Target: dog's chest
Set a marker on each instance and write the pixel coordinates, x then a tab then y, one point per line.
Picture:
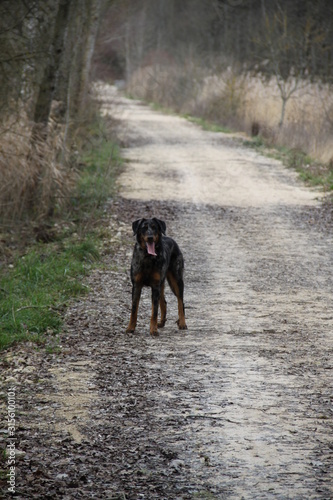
147	269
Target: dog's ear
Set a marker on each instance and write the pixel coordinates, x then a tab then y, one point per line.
161	224
136	225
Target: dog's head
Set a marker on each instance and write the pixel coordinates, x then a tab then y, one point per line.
148	233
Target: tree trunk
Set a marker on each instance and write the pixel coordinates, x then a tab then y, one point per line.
49	82
91	18
283	111
39	30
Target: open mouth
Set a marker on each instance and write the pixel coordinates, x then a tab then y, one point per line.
151	248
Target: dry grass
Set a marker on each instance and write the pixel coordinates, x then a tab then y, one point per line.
308	122
243	102
36	177
168	85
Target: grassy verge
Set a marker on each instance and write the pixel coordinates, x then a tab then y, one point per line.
101	164
202	122
207	125
35	290
38	280
312	172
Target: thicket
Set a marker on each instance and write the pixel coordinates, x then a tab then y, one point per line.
46	48
58	163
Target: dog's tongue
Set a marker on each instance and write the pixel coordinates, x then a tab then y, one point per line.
151	248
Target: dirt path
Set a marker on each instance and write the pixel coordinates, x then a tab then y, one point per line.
240	405
259	291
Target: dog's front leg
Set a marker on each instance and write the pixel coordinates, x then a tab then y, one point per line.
155	297
136	294
163	307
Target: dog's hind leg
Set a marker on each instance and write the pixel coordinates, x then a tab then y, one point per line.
181	309
177	286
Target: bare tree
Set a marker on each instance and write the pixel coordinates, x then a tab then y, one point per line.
286	45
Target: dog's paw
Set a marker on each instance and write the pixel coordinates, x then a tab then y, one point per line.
153	329
181	325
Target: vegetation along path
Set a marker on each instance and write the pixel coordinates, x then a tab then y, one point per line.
239	405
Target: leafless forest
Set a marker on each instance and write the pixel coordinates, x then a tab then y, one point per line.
255	65
261	66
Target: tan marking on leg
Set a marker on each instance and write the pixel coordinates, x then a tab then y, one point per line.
135	308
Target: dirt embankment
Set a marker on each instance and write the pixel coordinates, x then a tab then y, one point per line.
238	406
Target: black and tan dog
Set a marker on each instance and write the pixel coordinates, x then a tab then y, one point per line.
156	257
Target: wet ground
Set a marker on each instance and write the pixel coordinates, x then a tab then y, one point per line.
239	405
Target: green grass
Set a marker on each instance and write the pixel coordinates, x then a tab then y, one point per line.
97	180
36	284
204	124
312	172
159	107
35	291
207	125
256	143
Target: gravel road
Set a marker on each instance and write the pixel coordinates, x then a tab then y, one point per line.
240	405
